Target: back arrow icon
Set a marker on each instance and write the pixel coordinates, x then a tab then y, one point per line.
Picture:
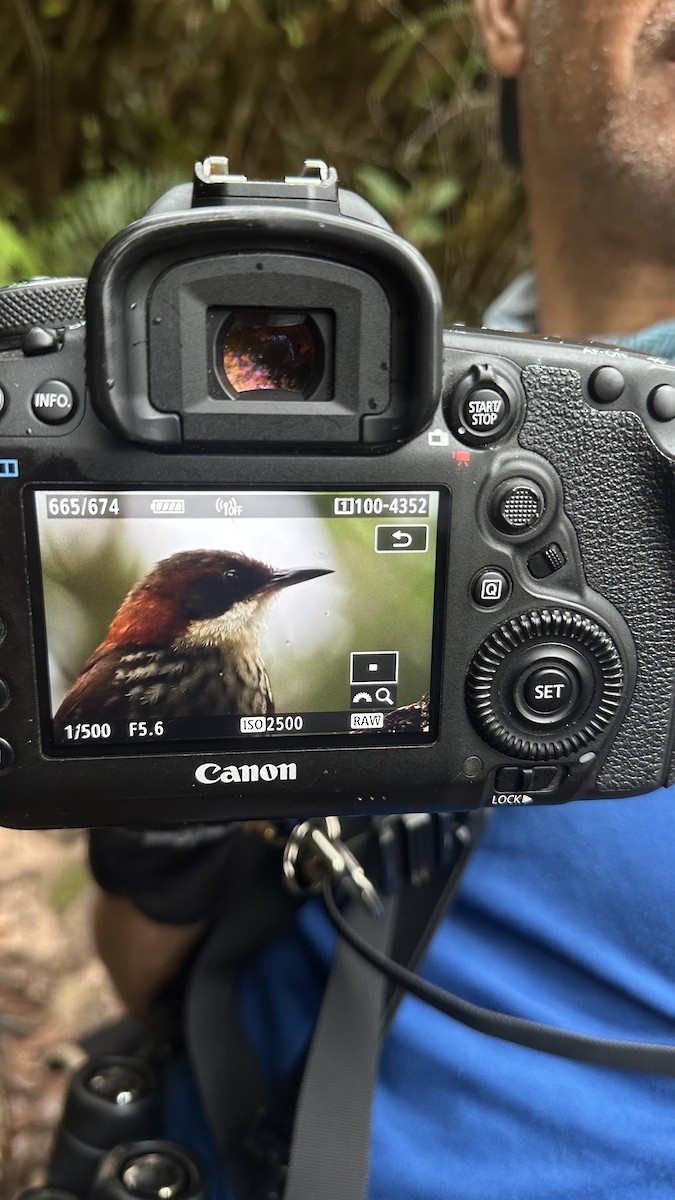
404	539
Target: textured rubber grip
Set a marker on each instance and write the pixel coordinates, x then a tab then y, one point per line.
619	493
51	302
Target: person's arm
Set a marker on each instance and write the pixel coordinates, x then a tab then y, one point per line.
141	955
157	890
160	890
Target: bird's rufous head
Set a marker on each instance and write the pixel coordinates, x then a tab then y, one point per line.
198	589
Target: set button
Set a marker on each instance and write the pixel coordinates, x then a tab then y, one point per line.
552	688
549	691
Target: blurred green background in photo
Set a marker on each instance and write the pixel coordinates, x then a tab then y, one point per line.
106	103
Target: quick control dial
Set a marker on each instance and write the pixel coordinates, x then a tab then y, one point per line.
544	684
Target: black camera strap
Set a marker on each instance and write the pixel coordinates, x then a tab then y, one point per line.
253	1127
297	1145
330	1148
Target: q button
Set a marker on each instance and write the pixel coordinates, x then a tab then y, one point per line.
490	587
54	402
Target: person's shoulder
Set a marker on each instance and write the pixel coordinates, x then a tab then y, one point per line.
515	309
658	339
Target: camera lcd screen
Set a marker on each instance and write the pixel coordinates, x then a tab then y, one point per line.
180	617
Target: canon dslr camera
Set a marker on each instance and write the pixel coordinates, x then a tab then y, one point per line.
273	544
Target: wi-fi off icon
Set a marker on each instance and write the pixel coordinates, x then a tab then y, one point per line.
228	506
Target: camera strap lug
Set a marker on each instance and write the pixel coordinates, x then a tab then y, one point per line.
314	852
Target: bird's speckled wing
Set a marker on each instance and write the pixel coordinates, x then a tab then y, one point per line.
136	683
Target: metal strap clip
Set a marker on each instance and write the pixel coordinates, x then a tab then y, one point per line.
315	852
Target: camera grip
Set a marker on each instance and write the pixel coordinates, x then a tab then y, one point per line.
619	492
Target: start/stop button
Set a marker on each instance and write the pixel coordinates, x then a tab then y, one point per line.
484	412
54	402
483	404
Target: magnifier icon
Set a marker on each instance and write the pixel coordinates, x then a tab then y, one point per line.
384	696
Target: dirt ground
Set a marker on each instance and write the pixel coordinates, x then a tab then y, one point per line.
52	991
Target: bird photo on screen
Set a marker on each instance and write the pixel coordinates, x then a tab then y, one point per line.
185	642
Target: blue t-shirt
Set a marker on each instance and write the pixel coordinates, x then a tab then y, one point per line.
565	916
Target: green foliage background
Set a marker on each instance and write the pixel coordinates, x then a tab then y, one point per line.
105	103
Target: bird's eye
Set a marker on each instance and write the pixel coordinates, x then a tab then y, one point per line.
207	597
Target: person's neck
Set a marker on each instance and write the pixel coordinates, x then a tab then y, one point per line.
590	284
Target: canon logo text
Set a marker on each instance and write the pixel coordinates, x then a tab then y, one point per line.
246	773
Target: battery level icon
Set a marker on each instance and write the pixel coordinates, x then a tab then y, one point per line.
167	508
343	506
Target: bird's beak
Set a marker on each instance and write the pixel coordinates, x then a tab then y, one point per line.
284	579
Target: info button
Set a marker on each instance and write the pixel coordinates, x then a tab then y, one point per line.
53	402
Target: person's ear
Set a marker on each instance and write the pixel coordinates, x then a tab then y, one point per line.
503	24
